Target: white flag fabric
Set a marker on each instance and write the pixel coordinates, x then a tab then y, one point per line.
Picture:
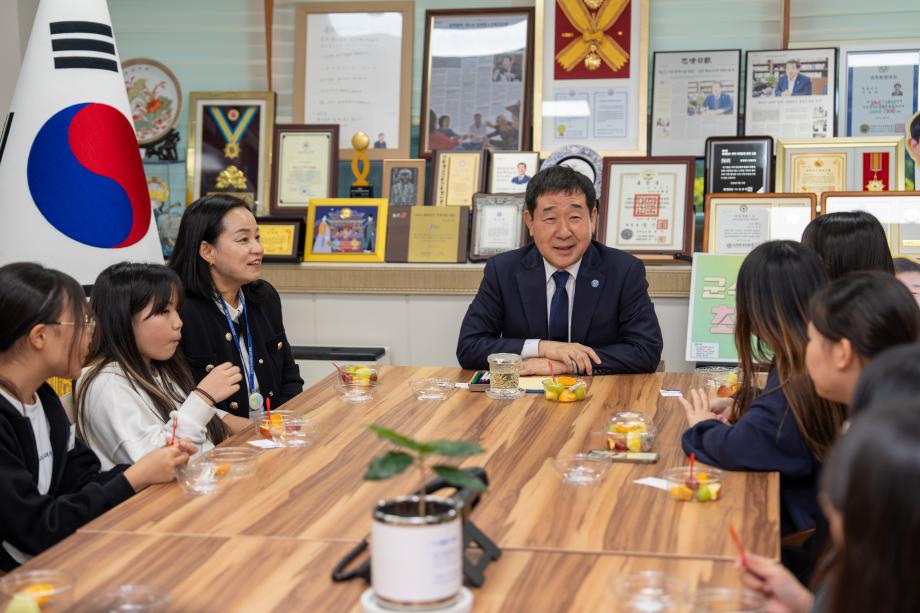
73	195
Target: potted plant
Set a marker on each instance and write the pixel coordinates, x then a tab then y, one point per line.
417	541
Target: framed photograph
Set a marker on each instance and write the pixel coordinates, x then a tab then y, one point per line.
346	230
739	164
879	88
306	164
282	238
790	93
456	176
711	322
590	75
477	97
510	171
872	164
899	214
695	95
583	159
353	67
736	223
230	146
404	182
647	205
498	225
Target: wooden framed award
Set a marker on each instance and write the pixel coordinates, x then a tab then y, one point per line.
646	206
898	212
428	234
281	238
736	223
404	182
498	225
739	164
305	166
456	176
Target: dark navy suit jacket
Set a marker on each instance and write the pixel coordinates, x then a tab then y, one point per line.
802	85
612	312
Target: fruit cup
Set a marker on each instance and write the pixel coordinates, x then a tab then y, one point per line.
631	431
358	375
270	427
721	381
704	486
564	389
36	590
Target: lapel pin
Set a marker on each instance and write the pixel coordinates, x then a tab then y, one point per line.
595	283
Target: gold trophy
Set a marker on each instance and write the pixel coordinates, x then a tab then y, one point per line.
361	167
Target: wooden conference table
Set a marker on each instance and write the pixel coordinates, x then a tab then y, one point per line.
271	542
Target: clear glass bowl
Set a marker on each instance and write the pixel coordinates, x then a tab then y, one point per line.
130	598
580	469
705	486
199	477
358	375
432	388
233	462
355	392
720	381
649	592
288	430
565	389
36	590
630	431
725	600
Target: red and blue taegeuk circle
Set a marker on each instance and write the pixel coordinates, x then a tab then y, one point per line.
86	179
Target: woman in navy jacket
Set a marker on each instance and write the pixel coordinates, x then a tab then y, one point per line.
229	314
784	427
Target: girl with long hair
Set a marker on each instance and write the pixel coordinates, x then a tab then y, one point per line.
786	426
137	387
849	242
50	482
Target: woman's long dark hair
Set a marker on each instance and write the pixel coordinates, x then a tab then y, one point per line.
849	242
892	376
203	220
877	565
775	283
872	310
121	292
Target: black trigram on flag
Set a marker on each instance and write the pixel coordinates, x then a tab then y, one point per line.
71	39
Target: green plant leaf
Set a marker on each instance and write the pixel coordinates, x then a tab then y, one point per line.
399	439
455	448
459	478
389	464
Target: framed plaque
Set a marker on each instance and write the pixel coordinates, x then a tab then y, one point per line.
511	171
404	182
736	223
428	234
647	205
306	161
154	96
790	93
584	160
282	238
899	214
230	145
353	67
840	164
456	176
590	75
711	323
498	225
879	88
346	230
739	164
694	96
478	96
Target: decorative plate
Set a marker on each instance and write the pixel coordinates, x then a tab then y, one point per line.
154	96
583	159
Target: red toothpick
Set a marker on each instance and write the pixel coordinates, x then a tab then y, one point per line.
172	439
551	370
692	460
337	367
268	408
741	554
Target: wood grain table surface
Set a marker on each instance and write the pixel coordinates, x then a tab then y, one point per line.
317	493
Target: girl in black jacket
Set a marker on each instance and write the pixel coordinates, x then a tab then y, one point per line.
50	483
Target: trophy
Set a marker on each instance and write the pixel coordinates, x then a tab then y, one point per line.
361	167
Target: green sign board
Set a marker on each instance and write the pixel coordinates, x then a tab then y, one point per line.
711	323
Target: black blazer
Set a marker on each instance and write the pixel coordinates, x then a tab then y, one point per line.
78	493
612	312
206	342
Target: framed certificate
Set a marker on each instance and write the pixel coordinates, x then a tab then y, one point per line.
346	230
477	96
404	182
694	96
736	223
456	176
281	238
590	75
790	93
353	67
647	205
739	164
899	214
427	234
230	145
510	171
840	164
306	161
879	88
498	225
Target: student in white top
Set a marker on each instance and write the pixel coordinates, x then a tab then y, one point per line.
137	388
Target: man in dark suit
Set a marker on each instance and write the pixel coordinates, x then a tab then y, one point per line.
793	83
565	297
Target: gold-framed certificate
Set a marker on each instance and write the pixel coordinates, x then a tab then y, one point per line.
816	173
736	223
282	239
433	233
456	177
305	166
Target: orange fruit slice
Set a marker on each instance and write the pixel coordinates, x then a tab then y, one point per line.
566	381
41	593
567	396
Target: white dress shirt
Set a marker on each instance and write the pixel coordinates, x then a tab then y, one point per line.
532	345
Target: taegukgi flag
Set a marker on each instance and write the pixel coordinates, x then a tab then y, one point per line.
73	195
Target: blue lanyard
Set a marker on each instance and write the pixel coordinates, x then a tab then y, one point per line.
250	372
